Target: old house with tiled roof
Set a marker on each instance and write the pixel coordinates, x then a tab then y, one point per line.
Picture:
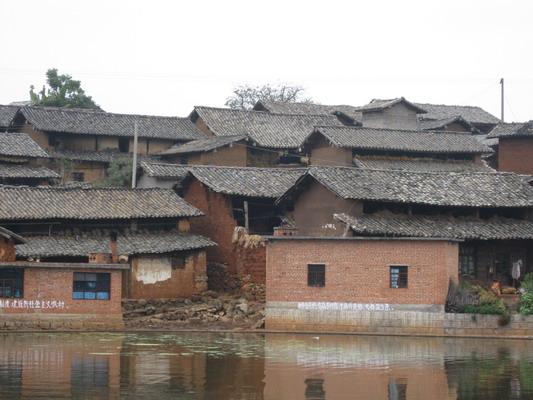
21	159
73	136
145	229
230	197
378	245
395	149
515	146
272	139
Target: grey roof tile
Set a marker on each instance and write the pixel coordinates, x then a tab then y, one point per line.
421	164
45	203
439	227
515	129
70	245
461	189
15	171
402	141
16	144
92	122
203	145
6	233
104	156
279	107
381	104
278	131
243	181
473	114
442	124
7	115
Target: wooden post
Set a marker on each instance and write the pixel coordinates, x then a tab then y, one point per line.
134	166
246	217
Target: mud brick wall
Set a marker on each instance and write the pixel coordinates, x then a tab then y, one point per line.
251	261
7	250
516	155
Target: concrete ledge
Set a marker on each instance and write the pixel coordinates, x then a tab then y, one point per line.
61	321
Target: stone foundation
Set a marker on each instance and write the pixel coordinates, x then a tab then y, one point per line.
390	319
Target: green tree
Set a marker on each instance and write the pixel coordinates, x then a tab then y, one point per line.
244	97
62	91
118	173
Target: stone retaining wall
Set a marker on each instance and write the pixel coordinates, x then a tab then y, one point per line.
389	319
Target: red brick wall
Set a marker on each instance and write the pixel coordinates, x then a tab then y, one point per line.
7	250
516	155
217	224
183	282
358	270
47	285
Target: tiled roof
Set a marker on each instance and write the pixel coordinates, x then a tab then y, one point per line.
27	203
13	171
505	129
402	141
461	189
104	156
108	124
127	244
441	227
473	114
6	233
16	144
381	104
441	124
7	115
421	164
242	181
279	107
203	145
279	131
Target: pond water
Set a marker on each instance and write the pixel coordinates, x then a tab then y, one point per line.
255	366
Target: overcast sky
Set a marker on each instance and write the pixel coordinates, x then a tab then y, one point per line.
164	57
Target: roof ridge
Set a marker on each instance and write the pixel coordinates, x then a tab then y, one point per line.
257	112
95	111
409	172
434	132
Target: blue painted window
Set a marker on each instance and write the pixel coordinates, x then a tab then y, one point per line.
91	286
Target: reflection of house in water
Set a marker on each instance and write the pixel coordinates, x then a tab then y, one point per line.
59	365
352	367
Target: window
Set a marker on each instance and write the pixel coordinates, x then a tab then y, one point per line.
124	145
467	260
78	176
398	277
11	283
177	262
91	286
316	275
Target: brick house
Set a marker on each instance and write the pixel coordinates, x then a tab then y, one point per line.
491	213
230	197
272	138
145	230
21	159
395	149
57	294
72	136
515	146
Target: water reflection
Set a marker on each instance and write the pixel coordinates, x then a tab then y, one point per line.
248	366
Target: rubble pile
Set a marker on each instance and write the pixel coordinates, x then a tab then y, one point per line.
210	310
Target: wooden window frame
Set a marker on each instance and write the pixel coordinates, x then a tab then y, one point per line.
316	278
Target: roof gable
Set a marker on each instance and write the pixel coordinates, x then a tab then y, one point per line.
380	105
456	189
442	124
94	122
7	115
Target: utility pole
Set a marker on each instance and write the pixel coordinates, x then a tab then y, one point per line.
501	83
134	166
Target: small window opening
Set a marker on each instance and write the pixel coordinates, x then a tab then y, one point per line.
316	275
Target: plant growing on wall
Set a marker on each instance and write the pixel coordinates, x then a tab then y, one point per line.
62	91
526	298
118	173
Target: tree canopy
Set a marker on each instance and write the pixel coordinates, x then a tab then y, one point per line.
62	91
118	173
245	96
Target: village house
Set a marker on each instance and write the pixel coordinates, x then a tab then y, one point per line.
230	197
380	148
83	142
399	237
514	146
20	159
146	231
47	294
397	113
272	139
